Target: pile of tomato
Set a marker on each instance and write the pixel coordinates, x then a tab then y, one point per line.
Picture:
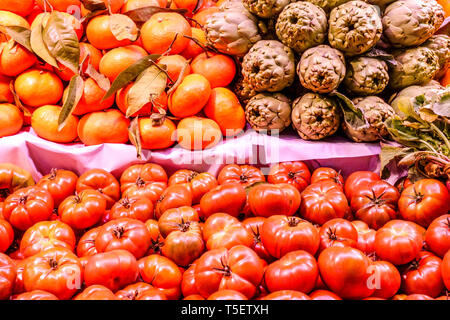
293	234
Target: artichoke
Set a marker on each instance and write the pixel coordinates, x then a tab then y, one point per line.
315	116
321	69
243	90
269	66
355	27
328	5
411	22
301	25
440	44
376	112
366	76
414	66
232	31
269	111
381	3
265	8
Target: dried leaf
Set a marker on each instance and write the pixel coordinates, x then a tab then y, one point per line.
353	117
141	15
180	77
135	136
94	5
123	28
17	102
39	47
102	81
389	154
382	55
74	94
20	35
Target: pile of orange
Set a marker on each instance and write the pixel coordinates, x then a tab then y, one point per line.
196	113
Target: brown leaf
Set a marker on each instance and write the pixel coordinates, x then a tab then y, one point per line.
39	48
142	15
180	77
94	5
102	81
74	94
135	136
17	102
123	28
20	35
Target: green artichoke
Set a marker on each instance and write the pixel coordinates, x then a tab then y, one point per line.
243	90
355	27
411	22
366	76
265	8
328	5
415	66
269	111
315	116
269	66
376	112
321	69
301	25
440	44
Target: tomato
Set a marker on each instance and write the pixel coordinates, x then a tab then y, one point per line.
424	201
366	237
423	275
188	286
126	234
139	208
96	292
297	270
224	231
13	178
7	276
327	174
253	225
281	234
142	173
133	291
338	233
113	269
295	173
6	235
199	183
437	236
56	270
398	242
163	274
266	200
375	203
156	240
171	219
229	198
323	201
175	196
27	206
445	270
286	295
402	183
102	181
36	295
60	183
245	175
153	294
358	179
19	286
385	278
83	210
345	271
86	244
418	297
238	268
227	295
150	190
324	295
45	235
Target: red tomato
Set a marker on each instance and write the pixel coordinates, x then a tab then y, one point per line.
224	231
56	270
102	181
45	235
323	201
375	203
437	236
19	286
266	200
194	297
253	225
327	174
36	295
157	241
150	190
238	268
171	219
398	242
113	269
188	286
175	196
6	235
245	175
60	183
153	294
295	173
324	295
27	206
423	275
445	270
286	295
418	297
96	292
7	276
83	210
133	291
139	208
338	233
424	201
345	271
229	198
366	237
403	183
385	278
227	295
86	244
126	234
199	183
358	179
142	174
297	270
281	234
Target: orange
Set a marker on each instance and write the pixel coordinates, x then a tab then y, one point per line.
20	7
445	81
91	99
118	59
208	4
190	96
136	4
34	13
44	122
160	30
189	5
8	19
156	136
224	108
175	64
148	109
58	5
15	59
196	133
199	19
42	18
193	49
446	5
219	69
99	127
100	36
11	119
38	87
5	91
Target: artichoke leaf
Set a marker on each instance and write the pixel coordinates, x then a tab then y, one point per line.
353	116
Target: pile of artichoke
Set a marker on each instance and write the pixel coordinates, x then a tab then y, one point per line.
319	66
